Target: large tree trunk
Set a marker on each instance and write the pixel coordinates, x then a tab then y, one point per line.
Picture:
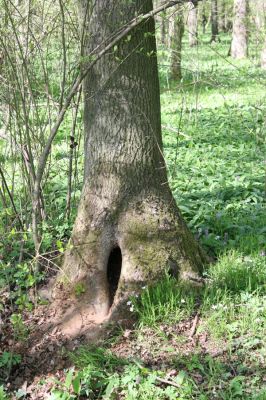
176	33
214	21
239	45
128	230
192	23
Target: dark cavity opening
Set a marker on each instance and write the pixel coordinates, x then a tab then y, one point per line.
113	272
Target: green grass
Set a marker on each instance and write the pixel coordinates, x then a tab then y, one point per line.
165	301
216	161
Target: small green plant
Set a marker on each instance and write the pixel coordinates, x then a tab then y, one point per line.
20	329
7	361
69	389
79	289
3	395
102	375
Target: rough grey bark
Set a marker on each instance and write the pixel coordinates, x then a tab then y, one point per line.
176	33
214	21
126	203
192	23
239	45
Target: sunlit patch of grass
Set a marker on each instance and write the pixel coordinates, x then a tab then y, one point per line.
164	302
234	273
215	147
215	158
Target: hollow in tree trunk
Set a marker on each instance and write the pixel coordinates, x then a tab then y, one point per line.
214	21
239	45
128	229
192	23
176	32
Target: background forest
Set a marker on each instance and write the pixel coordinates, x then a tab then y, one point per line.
206	343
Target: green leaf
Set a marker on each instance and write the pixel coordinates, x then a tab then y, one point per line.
69	378
76	384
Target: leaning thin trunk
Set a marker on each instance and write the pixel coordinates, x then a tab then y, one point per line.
192	25
176	32
128	230
239	45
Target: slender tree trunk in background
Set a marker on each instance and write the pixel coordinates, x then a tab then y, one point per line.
222	19
214	21
176	33
263	56
128	230
192	23
263	29
239	45
204	19
258	10
164	27
258	15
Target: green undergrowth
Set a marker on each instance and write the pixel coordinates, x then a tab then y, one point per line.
232	314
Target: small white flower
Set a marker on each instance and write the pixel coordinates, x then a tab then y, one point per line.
143	287
183	301
129	303
214	307
131	308
136	295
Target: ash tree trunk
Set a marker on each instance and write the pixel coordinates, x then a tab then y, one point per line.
128	229
214	21
192	23
239	45
176	33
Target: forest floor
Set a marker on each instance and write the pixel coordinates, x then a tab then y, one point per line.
179	344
